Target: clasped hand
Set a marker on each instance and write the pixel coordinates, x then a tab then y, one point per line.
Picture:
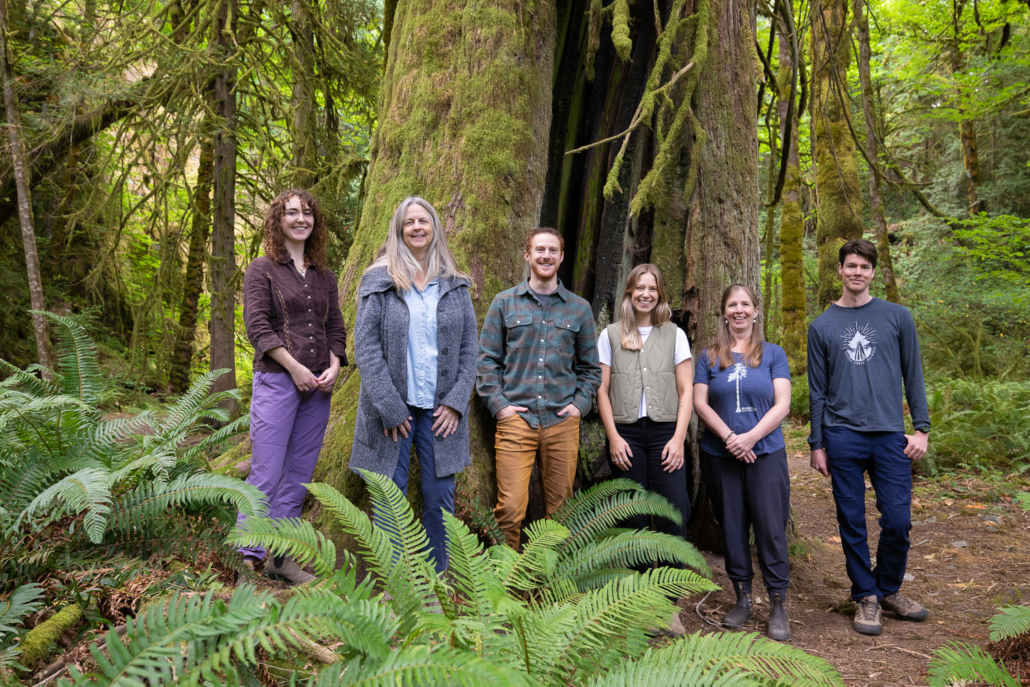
305	380
740	446
446	424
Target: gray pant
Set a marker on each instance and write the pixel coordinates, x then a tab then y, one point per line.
746	495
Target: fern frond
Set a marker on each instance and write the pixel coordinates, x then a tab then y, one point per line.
577	507
109	433
373	545
293	536
1011	621
78	361
214	440
86	491
470	568
24	600
645	671
955	662
423	665
628	549
38	386
537	559
756	656
606	513
1023	500
192	402
22	478
151	499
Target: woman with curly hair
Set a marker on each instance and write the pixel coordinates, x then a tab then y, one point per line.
291	309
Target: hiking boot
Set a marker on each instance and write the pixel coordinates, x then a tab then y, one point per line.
286	569
741	613
867	616
676	628
905	608
779	625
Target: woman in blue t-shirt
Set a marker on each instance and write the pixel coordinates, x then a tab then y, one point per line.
742	394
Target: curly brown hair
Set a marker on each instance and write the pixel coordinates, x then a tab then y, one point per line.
314	246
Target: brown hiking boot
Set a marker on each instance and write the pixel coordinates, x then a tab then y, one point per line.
905	608
867	616
286	569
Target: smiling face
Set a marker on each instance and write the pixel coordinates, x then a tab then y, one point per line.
544	256
645	294
298	221
740	311
856	273
417	230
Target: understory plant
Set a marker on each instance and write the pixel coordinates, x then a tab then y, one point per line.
568	610
77	489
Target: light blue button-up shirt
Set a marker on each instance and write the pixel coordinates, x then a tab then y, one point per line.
422	351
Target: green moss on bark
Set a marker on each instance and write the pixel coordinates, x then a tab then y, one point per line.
37	643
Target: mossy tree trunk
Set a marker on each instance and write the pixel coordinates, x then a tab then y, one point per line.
792	233
193	280
966	126
223	211
464	118
838	194
305	151
884	265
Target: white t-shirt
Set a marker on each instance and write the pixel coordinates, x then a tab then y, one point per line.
604	352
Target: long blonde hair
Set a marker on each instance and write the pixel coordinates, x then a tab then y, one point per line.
661	314
401	265
722	350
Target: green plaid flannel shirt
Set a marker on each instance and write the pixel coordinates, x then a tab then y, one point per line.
537	357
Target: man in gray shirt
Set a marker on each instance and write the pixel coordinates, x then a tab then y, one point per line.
860	350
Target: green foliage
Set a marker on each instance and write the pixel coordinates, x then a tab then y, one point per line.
23	601
76	489
566	611
1012	621
979	423
956	662
999	246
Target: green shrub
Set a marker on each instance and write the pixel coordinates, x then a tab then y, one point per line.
799	398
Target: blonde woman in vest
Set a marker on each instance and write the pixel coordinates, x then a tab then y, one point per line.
742	394
644	399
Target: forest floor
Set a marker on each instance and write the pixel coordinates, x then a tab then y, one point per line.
970	554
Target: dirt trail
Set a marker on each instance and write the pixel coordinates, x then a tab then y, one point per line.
960	585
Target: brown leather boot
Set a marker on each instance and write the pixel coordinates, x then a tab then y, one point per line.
286	569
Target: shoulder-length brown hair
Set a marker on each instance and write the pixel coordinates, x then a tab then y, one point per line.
721	351
662	313
314	246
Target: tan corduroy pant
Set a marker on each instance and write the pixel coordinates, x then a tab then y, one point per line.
517	445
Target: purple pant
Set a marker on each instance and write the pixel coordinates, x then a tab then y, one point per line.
286	430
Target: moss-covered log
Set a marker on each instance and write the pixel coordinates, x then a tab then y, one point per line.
838	193
464	118
37	643
792	234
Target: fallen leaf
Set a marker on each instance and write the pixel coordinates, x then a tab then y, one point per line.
976	506
948	502
836	540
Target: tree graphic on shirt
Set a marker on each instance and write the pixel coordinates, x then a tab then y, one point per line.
738	373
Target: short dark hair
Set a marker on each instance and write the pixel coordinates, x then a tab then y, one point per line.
861	248
544	230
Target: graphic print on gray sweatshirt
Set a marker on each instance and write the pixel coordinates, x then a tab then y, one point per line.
857	361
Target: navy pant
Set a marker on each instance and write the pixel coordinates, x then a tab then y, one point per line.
647	439
437	492
752	495
882	455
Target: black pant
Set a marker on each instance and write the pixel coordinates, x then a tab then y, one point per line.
647	439
746	495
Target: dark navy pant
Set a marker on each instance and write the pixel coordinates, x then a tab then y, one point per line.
647	440
752	495
882	455
437	492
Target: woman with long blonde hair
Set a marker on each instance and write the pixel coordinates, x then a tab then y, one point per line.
742	394
415	346
644	399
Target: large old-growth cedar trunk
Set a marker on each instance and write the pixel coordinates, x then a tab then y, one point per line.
838	194
481	103
464	118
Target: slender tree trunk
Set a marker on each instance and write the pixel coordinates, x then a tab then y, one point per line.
792	234
836	179
966	127
21	181
769	247
193	282
223	211
305	151
465	126
885	265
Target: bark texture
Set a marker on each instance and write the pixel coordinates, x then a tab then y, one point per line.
838	194
223	211
305	151
21	180
884	265
792	235
193	280
464	118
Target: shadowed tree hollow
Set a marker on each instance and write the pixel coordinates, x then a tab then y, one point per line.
632	128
